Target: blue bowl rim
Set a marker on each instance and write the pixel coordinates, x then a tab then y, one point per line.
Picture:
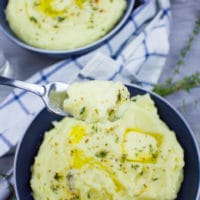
80	50
148	92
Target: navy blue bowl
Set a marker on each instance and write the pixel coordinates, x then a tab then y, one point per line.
28	148
4	27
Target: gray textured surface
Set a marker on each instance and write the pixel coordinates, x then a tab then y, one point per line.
184	15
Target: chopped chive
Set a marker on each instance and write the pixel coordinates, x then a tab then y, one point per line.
82	110
33	19
101	154
60	19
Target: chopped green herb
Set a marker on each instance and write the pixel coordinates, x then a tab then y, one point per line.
154	179
76	197
187	83
123	157
133	99
117	139
88	195
101	154
82	110
97	111
90	26
57	176
94	128
119	96
111	112
94	8
33	19
135	166
154	155
151	148
60	19
54	188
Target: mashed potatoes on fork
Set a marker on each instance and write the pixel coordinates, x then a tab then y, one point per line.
126	153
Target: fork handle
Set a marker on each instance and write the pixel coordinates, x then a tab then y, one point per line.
36	89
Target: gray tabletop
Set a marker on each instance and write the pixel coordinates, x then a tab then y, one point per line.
184	12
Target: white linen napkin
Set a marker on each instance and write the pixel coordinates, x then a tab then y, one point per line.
133	60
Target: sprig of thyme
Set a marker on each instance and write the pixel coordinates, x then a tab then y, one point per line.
187	82
169	87
188	46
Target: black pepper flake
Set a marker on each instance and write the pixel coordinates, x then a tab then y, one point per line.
123	157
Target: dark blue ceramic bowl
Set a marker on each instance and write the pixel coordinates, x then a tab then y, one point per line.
32	139
4	27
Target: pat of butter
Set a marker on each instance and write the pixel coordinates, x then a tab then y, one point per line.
140	147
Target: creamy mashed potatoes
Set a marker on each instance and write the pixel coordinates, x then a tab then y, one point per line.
135	156
96	100
63	24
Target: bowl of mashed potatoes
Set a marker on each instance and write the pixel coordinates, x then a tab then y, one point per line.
121	143
61	28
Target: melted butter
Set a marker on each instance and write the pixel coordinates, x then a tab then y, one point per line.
79	3
80	160
76	135
141	154
47	7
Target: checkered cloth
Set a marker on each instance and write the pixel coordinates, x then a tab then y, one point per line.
138	52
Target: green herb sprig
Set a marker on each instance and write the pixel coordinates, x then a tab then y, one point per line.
169	87
188	46
187	82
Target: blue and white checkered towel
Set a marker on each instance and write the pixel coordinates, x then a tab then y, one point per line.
138	52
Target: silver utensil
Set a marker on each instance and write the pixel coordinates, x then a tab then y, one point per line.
53	94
